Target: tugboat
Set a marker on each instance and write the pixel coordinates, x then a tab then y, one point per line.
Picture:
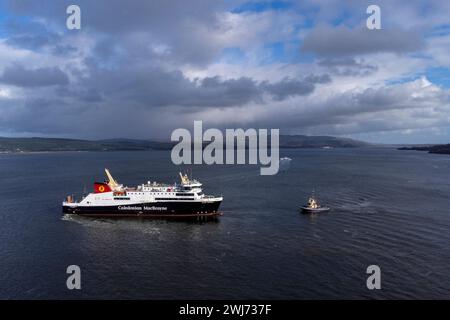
149	200
313	206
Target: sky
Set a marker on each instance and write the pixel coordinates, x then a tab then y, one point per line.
140	69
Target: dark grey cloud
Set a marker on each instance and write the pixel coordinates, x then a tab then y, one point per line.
185	29
150	86
343	41
114	16
26	114
289	87
17	75
89	95
347	66
136	94
228	92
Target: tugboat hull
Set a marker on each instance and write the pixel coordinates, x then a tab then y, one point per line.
314	210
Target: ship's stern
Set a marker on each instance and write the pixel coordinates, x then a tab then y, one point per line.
69	207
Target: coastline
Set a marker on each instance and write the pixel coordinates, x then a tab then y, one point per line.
45	152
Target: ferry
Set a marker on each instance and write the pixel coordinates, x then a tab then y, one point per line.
148	200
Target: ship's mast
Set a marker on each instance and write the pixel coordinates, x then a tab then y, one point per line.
184	178
111	182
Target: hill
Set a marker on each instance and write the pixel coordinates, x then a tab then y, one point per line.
437	149
58	144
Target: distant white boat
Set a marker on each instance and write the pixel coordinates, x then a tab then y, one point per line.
285	163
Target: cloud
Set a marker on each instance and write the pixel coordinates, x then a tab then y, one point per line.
149	86
294	87
187	31
17	75
347	66
410	105
343	41
31	35
145	68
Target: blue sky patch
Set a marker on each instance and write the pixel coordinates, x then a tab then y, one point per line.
261	6
439	76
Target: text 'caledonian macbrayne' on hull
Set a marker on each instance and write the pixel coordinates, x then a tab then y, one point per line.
152	200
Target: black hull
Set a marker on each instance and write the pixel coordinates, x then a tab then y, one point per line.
169	210
318	210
